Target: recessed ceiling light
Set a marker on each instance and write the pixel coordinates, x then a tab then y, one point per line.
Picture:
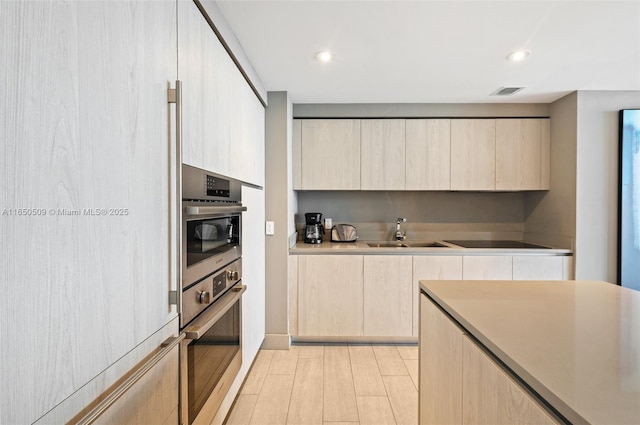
324	56
518	55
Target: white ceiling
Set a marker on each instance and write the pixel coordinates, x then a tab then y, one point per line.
438	51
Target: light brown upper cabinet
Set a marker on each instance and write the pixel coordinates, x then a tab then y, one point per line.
329	152
230	141
382	154
468	154
522	154
428	154
500	154
473	154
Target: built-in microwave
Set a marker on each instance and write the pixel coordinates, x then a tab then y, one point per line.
211	239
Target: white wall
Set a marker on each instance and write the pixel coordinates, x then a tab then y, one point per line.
550	217
581	207
597	181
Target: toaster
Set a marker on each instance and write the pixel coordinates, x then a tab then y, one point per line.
343	233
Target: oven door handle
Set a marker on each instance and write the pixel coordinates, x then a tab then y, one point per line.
211	315
207	210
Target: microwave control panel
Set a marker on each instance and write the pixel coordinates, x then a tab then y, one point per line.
217	186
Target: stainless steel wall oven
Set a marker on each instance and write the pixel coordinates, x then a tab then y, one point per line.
211	297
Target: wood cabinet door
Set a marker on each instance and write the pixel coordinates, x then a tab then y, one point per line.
151	400
206	87
428	154
330	154
491	396
296	155
86	152
487	267
545	154
440	367
473	154
537	267
388	304
522	149
222	119
330	291
253	272
382	154
431	267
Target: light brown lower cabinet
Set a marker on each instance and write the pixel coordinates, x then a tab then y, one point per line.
153	399
330	295
491	396
388	312
461	384
440	380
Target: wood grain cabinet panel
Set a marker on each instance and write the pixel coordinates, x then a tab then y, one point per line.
522	154
545	154
488	154
491	396
296	154
292	283
223	120
382	160
473	154
432	267
428	154
530	267
487	267
330	295
461	384
440	389
152	400
85	141
206	83
330	154
388	304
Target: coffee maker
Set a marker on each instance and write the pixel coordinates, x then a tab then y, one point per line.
314	229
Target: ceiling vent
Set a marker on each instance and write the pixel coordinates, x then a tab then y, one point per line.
506	91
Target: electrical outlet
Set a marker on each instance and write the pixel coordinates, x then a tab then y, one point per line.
270	228
328	223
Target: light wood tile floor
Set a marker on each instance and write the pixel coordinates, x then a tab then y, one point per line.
330	385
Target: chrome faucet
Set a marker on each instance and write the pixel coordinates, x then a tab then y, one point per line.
400	234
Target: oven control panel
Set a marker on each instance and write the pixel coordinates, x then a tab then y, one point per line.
197	297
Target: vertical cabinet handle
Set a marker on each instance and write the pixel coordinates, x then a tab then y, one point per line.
175	208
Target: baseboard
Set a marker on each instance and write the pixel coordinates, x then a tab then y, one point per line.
276	342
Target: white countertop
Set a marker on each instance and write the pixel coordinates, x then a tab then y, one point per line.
361	247
576	343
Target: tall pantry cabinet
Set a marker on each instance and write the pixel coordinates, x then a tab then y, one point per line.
86	154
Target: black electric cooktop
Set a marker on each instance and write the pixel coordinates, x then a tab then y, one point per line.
496	244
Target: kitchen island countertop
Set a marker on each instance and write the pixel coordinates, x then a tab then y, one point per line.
575	343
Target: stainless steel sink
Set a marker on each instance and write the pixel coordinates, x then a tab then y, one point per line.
426	245
387	245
